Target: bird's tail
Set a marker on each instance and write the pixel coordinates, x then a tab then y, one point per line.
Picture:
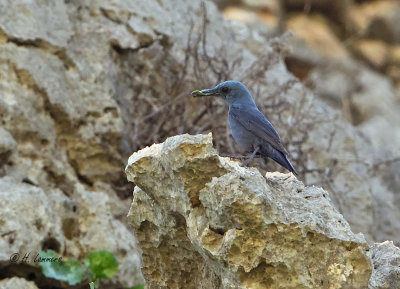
282	159
277	156
289	165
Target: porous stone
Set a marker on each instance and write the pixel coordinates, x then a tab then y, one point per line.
206	222
385	266
71	227
36	21
84	83
7	145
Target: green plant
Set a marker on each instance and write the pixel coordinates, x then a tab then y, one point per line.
70	270
138	287
100	264
96	265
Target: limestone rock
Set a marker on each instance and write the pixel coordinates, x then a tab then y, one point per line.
250	17
85	83
336	11
239	14
385	266
268	5
205	222
17	283
377	19
317	34
37	21
361	93
374	52
32	221
7	145
27	234
393	69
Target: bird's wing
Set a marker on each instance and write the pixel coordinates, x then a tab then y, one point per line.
254	121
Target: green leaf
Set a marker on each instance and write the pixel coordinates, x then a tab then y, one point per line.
69	270
101	264
138	287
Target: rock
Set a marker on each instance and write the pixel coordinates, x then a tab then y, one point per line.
395	54
318	36
28	233
71	227
385	266
7	145
225	226
393	69
361	93
239	14
37	21
375	52
337	11
250	17
376	19
266	5
269	19
85	83
368	101
93	219
17	283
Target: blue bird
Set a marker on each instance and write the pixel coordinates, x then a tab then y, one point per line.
249	127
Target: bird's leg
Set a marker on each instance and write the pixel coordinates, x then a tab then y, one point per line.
245	163
239	157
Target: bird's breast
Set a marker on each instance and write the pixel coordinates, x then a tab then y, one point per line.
241	135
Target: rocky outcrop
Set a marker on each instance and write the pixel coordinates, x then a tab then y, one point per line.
206	222
85	83
386	266
70	226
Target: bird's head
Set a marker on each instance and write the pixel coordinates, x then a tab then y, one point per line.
231	91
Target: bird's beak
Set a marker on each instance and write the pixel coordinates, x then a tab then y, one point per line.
204	92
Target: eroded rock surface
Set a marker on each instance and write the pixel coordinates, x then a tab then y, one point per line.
386	266
206	222
85	83
71	226
17	283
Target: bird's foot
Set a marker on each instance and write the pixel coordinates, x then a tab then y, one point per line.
245	163
253	155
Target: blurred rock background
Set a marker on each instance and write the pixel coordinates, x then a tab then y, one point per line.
83	84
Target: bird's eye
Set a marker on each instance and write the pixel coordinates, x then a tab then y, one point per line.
225	89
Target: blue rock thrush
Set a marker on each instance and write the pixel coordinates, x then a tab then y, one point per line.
249	127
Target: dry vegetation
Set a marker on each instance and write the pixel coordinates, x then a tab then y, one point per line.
156	115
173	111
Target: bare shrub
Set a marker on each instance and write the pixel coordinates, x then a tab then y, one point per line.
158	102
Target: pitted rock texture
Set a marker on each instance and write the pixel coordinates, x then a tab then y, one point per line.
204	221
386	266
84	83
53	221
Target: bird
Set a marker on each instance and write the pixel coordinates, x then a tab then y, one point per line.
250	128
